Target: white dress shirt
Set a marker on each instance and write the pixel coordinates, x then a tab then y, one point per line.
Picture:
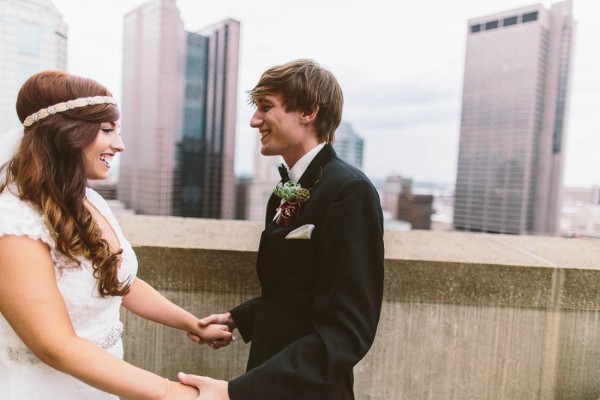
303	163
298	169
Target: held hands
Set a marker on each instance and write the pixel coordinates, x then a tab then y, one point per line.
210	389
215	330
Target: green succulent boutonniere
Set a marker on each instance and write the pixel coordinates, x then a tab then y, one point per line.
291	191
293	196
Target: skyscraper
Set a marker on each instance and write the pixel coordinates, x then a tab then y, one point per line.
33	38
153	93
179	104
205	181
514	113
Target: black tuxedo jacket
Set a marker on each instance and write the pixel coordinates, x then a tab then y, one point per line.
321	297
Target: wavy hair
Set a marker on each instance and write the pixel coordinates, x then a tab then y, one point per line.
49	169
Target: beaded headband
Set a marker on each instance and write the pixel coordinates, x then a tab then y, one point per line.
67	105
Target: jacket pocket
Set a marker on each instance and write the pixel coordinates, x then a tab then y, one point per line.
292	257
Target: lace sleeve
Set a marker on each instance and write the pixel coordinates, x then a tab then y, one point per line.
20	219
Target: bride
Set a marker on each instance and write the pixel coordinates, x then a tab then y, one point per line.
65	267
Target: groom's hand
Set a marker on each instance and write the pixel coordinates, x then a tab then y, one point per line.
215	335
224	319
210	323
210	389
219	319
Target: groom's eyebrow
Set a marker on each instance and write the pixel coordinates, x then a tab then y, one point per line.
264	100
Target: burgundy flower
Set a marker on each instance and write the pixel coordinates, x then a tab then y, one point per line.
292	195
289	213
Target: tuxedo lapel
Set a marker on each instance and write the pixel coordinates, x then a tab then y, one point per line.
314	170
271	209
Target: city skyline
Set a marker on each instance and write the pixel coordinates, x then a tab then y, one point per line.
403	96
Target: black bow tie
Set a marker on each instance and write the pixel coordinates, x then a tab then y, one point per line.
284	173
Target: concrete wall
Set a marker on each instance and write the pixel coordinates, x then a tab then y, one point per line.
465	316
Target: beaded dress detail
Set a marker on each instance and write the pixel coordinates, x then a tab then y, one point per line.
94	318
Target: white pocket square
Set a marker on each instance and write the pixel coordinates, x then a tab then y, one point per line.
303	232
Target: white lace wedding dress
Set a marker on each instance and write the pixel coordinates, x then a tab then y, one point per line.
22	375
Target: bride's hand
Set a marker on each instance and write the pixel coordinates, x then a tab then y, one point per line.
210	389
178	391
210	330
216	335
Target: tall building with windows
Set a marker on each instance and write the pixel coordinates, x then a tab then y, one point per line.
151	105
33	37
205	180
179	105
514	119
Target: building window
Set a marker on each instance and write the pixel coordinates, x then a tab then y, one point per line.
491	25
475	28
509	21
532	16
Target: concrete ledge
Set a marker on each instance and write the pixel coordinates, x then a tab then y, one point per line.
421	266
465	316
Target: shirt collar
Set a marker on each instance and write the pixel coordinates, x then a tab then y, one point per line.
303	163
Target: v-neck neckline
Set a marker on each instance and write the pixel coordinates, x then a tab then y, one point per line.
112	228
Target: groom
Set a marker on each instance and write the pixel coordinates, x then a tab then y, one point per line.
320	260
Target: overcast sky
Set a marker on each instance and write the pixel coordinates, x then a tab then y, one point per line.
400	64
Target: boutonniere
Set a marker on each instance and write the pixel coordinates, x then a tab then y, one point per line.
293	195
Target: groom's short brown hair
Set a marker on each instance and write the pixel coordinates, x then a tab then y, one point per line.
304	84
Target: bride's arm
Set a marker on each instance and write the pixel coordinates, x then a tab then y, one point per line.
143	300
32	304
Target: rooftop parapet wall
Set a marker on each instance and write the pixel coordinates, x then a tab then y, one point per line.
465	316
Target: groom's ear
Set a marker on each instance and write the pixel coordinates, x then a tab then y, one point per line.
309	116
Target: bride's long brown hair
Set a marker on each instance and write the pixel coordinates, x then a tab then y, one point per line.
49	169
